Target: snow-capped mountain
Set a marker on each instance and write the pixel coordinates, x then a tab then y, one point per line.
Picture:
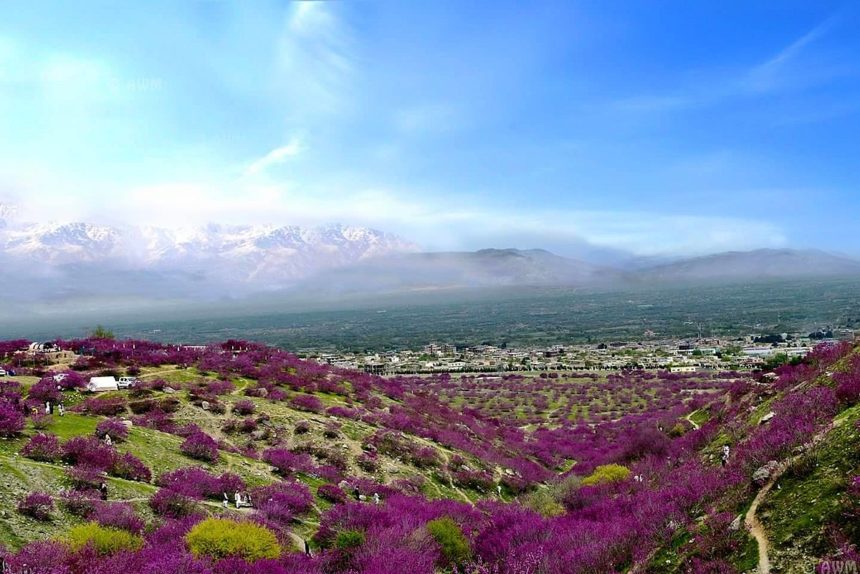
226	259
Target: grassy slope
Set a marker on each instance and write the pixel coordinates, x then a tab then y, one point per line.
797	512
160	451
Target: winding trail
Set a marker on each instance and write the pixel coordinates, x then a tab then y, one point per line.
751	521
689	419
755	528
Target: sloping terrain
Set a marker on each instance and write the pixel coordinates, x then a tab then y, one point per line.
574	472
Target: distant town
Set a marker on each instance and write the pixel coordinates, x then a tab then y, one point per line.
750	352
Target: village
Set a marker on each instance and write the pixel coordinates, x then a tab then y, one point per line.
675	355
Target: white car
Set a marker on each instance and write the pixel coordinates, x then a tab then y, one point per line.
126	382
2	372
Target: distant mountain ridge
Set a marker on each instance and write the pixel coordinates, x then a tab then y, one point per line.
756	264
52	262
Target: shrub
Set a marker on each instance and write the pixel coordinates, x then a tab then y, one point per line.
103	539
103	406
449	536
88	452
302	427
81	503
200	446
45	390
607	473
172	504
219	538
130	467
349	539
281	500
244	407
425	457
332	493
85	477
848	387
286	462
308	403
196	482
43	447
142	406
41	421
543	502
37	505
118	515
71	380
114	427
11	420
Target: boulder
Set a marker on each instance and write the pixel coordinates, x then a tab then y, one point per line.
766	417
763	473
736	523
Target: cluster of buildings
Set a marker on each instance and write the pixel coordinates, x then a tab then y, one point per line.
676	355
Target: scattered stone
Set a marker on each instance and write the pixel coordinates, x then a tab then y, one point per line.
763	473
169	390
767	417
204	405
736	523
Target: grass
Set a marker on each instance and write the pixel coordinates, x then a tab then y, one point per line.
811	497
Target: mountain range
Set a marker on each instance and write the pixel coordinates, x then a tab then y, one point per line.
61	262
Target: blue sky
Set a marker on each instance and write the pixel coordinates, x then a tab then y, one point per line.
651	127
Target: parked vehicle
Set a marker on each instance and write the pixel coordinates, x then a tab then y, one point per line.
2	372
99	384
126	382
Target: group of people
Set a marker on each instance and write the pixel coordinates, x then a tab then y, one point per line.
240	499
49	408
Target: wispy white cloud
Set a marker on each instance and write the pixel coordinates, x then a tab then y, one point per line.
315	59
777	72
276	157
769	75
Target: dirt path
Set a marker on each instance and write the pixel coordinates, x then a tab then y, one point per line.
154	373
751	521
755	528
446	460
689	419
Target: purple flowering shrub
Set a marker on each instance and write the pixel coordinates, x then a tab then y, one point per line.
332	493
244	407
117	515
44	447
11	419
130	467
281	501
200	446
45	390
103	406
37	505
88	452
172	504
196	482
308	403
114	428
